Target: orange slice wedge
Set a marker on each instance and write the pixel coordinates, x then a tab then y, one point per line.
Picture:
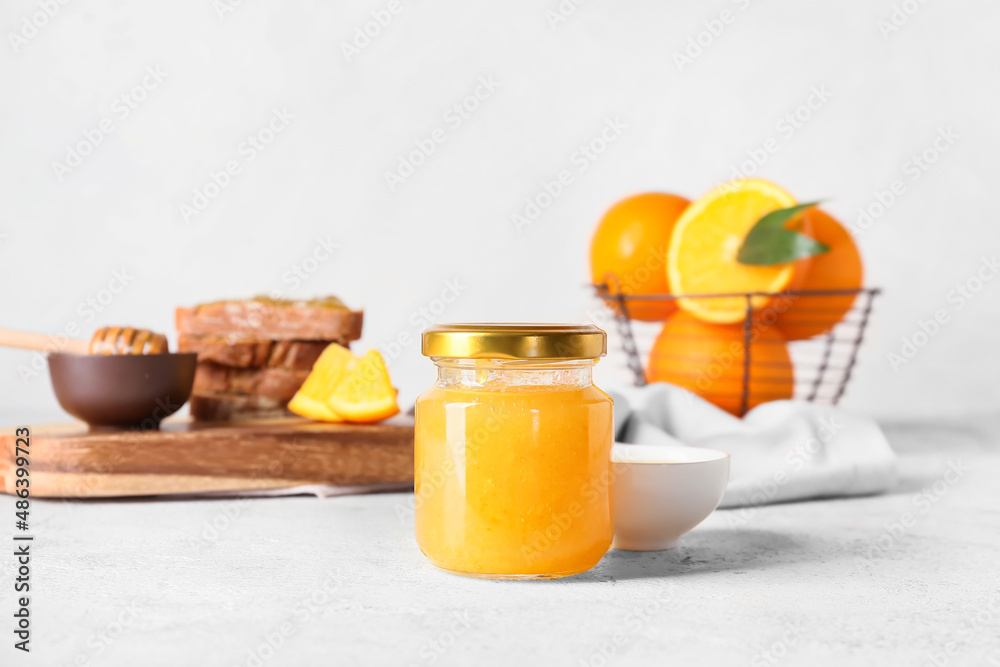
328	371
706	238
365	394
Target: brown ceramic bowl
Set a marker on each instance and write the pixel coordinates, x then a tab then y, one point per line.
124	391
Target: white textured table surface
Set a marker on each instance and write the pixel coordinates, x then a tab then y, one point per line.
301	581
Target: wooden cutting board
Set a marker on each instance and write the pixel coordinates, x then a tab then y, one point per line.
69	461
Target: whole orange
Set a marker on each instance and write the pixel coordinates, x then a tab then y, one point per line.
838	268
630	243
709	360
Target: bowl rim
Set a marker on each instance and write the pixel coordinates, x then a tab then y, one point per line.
717	454
120	356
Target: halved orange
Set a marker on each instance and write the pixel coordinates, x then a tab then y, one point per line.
704	244
365	394
328	371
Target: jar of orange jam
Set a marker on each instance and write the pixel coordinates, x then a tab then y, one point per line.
513	451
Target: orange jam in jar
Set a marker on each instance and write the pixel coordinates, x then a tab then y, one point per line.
513	451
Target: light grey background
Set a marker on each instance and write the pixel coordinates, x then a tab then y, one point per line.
888	91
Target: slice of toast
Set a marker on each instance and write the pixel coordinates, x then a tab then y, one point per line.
262	318
299	355
225	407
276	383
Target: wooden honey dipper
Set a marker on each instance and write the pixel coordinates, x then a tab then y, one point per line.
127	340
106	341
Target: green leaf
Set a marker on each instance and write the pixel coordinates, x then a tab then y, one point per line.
768	242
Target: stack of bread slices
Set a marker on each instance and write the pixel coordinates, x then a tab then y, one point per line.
253	355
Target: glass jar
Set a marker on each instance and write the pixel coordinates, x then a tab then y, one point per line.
513	451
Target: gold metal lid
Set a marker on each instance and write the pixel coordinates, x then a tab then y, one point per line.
514	341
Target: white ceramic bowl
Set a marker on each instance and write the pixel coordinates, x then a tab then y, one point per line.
663	491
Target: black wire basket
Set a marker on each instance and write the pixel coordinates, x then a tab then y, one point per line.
821	365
